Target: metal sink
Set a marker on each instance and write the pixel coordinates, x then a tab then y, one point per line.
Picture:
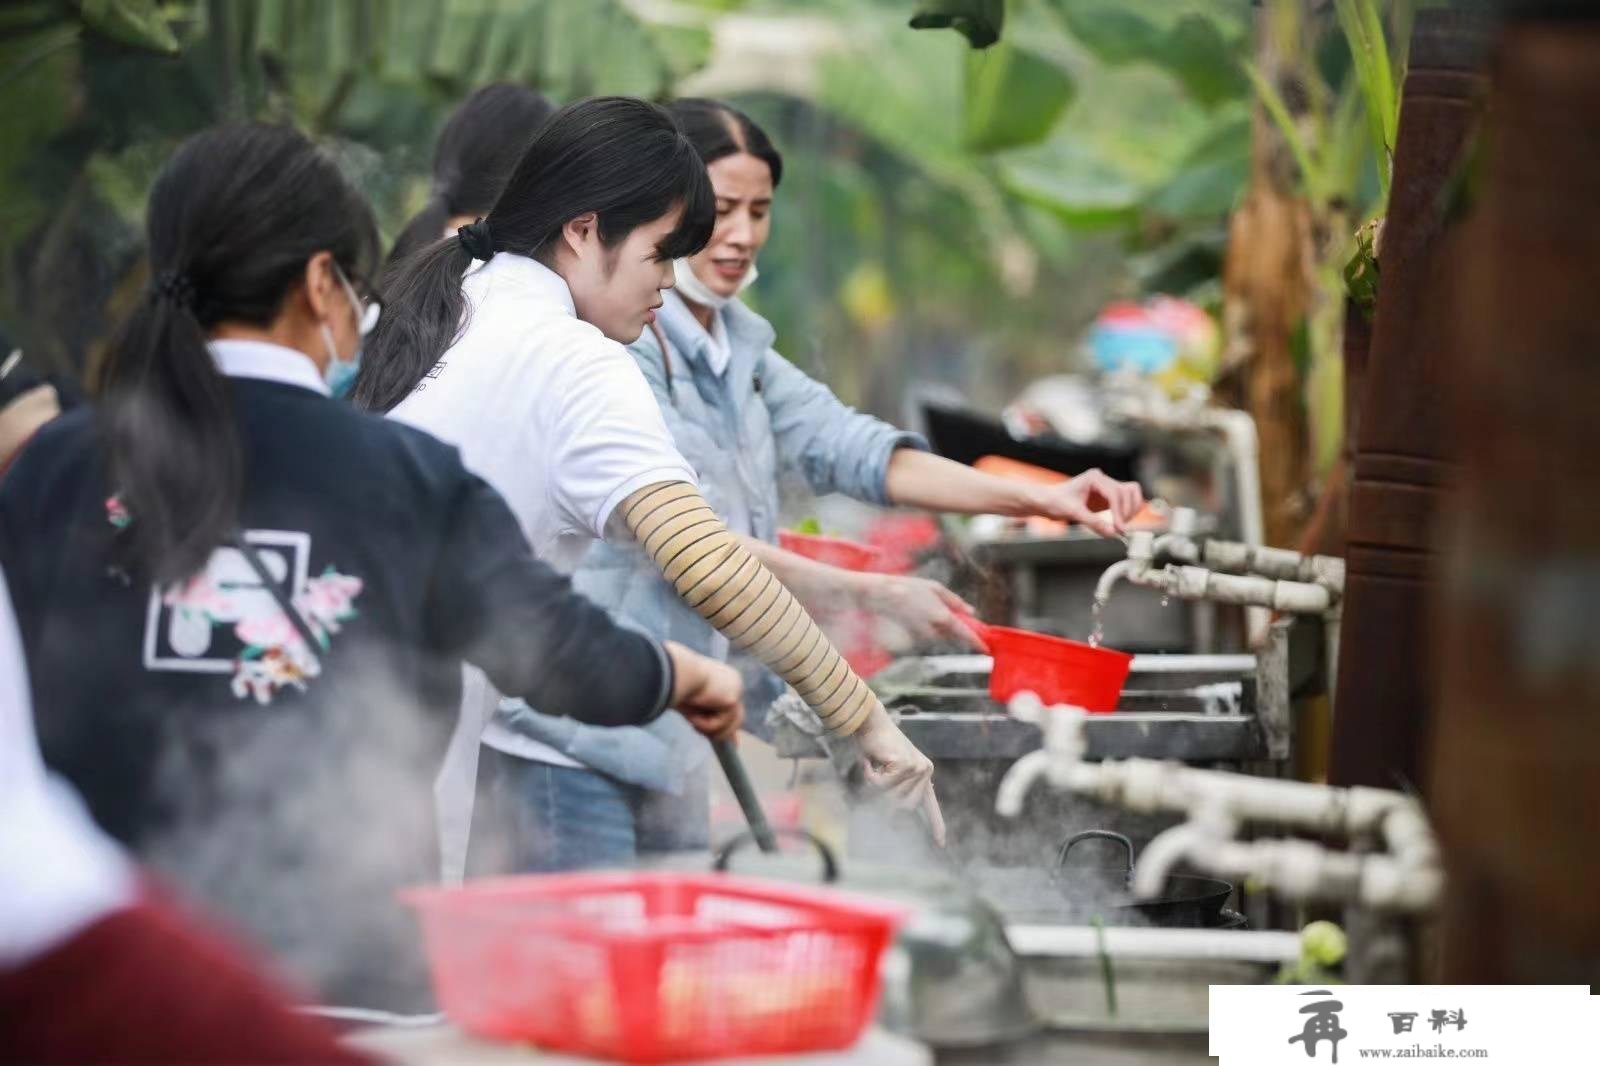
1195	708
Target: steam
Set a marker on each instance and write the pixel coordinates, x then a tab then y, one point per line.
299	826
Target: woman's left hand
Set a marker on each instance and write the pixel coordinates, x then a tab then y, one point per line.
1092	499
926	610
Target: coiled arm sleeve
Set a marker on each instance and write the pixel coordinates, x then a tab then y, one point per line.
714	573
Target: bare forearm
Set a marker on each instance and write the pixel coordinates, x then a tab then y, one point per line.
820	588
1098	502
933	483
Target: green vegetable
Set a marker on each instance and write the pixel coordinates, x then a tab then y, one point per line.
1108	976
1323	946
1323	943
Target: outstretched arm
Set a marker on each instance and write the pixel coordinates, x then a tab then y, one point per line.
925	610
714	572
921	479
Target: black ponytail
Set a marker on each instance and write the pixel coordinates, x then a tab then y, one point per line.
233	218
473	158
717	130
622	158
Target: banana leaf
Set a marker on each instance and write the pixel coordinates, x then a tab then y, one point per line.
1013	97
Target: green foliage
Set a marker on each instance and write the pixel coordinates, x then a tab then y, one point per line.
1193	47
1074	184
140	23
566	49
1312	173
1369	48
1361	272
1013	96
99	92
1210	179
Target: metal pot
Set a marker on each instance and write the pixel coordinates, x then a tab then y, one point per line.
952	978
1185	902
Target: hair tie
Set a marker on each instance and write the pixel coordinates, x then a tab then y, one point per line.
476	239
175	288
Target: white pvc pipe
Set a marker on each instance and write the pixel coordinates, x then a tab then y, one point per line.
1239	433
1240	945
1405	877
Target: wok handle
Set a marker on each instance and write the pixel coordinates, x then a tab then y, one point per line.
830	865
745	793
1094	834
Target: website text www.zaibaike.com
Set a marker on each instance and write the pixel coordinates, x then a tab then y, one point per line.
1421	1051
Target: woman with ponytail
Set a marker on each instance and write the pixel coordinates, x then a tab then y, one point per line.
474	156
507	340
246	607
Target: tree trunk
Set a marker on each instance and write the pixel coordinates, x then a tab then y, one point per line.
1267	280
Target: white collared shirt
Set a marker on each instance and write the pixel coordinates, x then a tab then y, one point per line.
720	352
543	407
268	362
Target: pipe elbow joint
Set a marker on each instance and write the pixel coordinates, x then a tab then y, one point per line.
1019	781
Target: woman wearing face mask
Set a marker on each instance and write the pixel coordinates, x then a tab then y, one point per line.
507	340
475	153
738	411
246	607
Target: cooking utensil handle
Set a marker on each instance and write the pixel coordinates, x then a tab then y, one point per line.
745	793
830	865
1094	834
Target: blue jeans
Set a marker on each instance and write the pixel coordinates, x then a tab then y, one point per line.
533	817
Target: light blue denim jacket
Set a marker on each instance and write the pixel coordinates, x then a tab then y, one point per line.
747	431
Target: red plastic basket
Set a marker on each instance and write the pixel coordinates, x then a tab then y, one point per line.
655	967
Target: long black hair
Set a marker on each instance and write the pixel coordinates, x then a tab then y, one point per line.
717	130
473	158
233	218
622	158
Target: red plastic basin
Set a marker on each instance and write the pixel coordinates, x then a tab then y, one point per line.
1055	669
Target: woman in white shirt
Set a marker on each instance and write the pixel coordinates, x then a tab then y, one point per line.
508	342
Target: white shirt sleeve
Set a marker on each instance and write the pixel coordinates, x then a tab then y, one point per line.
609	439
58	872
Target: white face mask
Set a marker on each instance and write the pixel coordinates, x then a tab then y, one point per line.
340	374
693	289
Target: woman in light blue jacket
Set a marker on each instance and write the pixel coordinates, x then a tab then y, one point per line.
745	417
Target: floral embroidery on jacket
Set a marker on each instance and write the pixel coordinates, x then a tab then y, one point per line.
275	656
117	512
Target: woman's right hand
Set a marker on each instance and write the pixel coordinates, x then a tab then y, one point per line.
1092	499
926	610
710	694
894	765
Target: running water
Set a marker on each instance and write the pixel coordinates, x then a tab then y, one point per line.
1097	634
